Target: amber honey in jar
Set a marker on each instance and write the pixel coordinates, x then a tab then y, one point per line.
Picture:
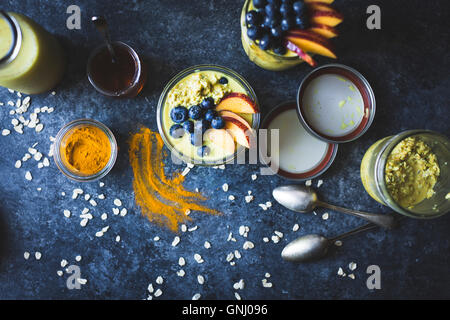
123	75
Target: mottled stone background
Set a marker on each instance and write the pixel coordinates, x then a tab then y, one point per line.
407	64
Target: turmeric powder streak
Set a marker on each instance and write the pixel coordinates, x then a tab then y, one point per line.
161	199
86	150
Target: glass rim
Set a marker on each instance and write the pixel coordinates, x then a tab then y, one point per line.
256	118
380	167
69	173
16	35
137	73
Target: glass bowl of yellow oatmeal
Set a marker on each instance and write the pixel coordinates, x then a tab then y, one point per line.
410	173
188	103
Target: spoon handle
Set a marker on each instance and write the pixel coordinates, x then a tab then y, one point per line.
102	27
383	220
365	227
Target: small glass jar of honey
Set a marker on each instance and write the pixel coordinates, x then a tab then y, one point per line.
123	75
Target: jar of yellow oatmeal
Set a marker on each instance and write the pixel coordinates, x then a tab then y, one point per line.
409	172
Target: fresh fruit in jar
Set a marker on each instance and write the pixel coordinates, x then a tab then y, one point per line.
188	126
217	123
229	116
259	4
203	151
223	80
253	18
298	7
208	103
195	112
238	103
201	125
221	139
328	18
210	114
196	138
238	131
254	32
302	54
320	1
265	42
311	42
326	31
179	114
177	131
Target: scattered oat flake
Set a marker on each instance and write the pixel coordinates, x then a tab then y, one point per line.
156	238
338	243
18	164
28	176
5	132
117	238
207	245
81	281
295	227
104	216
63	263
254	177
196	296
351	276
59	273
159	280
319	183
198	258
37	255
101	196
158	292
231	197
200	279
123	212
26	255
117	202
225	187
352	266
67	213
175	241
181	273
116	211
181	261
325	216
78	258
237	296
308	183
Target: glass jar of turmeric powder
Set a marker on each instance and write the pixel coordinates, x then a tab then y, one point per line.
85	150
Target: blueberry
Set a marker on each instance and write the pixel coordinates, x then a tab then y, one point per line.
217	123
203	151
201	125
177	131
300	22
276	32
195	112
270	22
208	103
223	80
253	17
265	42
254	32
286	10
298	7
196	139
210	114
179	114
286	24
258	4
188	126
280	49
275	3
270	10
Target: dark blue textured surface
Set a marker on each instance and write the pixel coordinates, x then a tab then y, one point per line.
407	65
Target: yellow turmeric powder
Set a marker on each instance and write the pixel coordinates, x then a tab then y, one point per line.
161	199
86	150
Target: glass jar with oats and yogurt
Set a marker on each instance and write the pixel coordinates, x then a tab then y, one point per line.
207	115
409	172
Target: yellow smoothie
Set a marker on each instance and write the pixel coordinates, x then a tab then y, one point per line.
39	64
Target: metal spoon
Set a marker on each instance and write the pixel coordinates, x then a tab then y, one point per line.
102	27
315	246
304	199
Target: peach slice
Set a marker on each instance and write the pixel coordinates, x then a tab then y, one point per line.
228	115
329	18
319	1
326	31
221	139
311	42
237	102
302	54
320	6
238	131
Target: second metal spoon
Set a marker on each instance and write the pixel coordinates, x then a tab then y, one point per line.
304	199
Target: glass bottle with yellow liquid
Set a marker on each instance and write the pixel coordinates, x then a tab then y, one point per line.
31	59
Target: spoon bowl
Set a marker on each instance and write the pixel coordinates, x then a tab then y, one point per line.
307	248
